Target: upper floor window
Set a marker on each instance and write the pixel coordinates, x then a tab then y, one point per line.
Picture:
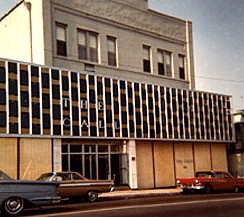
164	63
61	39
146	58
182	67
87	45
111	46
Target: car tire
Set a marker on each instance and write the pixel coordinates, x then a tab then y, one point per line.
91	196
13	205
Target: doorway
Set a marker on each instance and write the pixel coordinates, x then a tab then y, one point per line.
96	161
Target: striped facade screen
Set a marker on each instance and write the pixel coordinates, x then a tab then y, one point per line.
43	101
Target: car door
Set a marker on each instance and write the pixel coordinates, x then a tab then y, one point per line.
66	188
231	182
219	182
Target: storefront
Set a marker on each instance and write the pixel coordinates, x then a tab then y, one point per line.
145	134
96	161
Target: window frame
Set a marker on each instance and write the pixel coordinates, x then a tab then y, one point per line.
163	66
147	62
61	43
112	61
182	70
87	48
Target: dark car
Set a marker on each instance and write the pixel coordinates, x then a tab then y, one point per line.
75	186
15	195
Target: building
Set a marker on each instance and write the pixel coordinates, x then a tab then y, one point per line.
105	87
235	152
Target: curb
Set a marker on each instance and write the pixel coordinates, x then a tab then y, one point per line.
139	194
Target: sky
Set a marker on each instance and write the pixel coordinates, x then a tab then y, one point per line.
218	39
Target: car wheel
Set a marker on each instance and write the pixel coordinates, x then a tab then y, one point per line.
236	189
13	205
91	196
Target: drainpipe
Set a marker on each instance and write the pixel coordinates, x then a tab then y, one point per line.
28	6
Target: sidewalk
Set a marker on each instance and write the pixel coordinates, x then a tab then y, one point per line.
126	194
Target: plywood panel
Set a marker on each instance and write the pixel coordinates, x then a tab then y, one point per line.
219	157
184	166
8	156
202	156
144	160
164	164
35	157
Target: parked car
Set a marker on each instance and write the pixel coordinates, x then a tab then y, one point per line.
15	195
75	186
210	181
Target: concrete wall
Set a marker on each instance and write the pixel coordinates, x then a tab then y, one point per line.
22	34
130	22
139	4
15	41
236	164
132	28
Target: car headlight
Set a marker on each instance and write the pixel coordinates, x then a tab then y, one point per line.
178	181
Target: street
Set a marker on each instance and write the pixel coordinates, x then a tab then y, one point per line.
215	205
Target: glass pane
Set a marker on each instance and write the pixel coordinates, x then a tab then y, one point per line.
90	148
81	38
61	35
111	44
103	148
103	167
115	148
181	61
65	163
146	52
93	55
160	57
76	163
90	166
93	41
168	58
75	148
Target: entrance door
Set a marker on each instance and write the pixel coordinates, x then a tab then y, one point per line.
119	168
96	161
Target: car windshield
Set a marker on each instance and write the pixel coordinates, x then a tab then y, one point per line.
4	176
204	174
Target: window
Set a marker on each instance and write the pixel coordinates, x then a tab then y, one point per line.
146	58
182	67
88	45
111	46
61	40
164	63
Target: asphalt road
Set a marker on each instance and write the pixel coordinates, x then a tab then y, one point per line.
216	205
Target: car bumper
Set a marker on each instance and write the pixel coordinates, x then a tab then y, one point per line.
192	187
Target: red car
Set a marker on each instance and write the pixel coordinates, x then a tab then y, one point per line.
210	181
